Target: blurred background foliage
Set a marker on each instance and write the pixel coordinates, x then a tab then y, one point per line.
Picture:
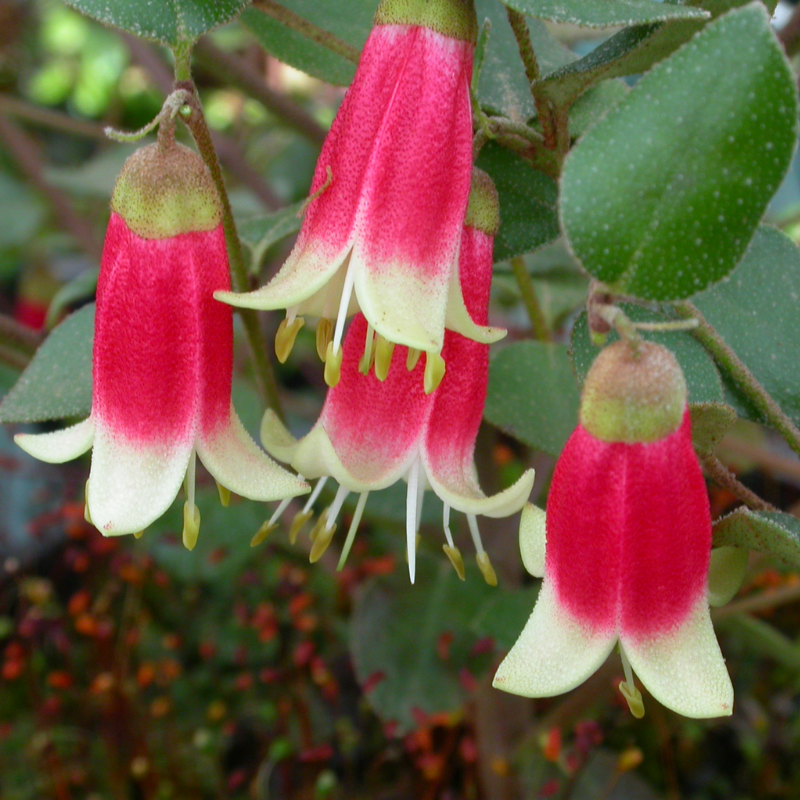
134	669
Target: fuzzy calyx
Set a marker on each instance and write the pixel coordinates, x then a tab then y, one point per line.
453	18
634	392
483	210
165	190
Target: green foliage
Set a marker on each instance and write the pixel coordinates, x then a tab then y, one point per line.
604	13
260	233
533	394
58	381
766	532
173	23
661	198
710	423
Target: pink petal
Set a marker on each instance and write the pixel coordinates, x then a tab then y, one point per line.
374	427
415	192
147	344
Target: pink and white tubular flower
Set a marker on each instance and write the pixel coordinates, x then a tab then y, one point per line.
628	542
163	356
382	227
372	433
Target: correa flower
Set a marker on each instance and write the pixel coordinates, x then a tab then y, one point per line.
628	540
163	355
372	433
382	226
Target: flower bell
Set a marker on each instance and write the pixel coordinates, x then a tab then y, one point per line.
163	355
373	432
383	222
628	541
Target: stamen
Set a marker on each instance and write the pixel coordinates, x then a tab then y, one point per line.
315	493
224	495
369	352
86	504
336	506
189	479
413	358
450	549
632	695
191	525
482	557
333	365
412	501
138	534
286	336
300	519
324	337
351	533
261	534
383	357
344	304
322	536
434	372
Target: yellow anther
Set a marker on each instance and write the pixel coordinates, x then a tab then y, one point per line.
138	534
369	353
434	372
333	366
630	758
324	337
634	699
298	523
413	358
262	533
86	504
191	525
486	568
286	336
224	495
456	559
322	539
383	357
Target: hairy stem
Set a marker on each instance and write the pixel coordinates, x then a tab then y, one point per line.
735	368
265	377
530	300
308	29
723	477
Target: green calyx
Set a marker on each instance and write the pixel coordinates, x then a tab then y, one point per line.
634	392
483	209
165	190
453	18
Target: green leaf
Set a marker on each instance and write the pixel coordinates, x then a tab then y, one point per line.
169	21
533	394
527	203
710	423
58	381
504	614
351	22
765	531
395	631
260	233
756	313
702	377
630	52
764	639
603	13
503	86
594	104
662	196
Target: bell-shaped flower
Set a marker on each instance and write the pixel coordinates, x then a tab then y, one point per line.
624	547
382	226
163	355
373	432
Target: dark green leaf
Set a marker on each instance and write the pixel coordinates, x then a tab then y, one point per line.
504	615
603	13
767	532
503	85
527	203
58	381
756	312
260	233
168	21
701	374
394	633
661	197
595	103
533	394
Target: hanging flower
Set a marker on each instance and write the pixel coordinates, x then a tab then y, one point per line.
372	433
163	355
628	540
383	223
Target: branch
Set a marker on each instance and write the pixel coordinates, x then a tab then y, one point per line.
529	299
723	477
46	118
